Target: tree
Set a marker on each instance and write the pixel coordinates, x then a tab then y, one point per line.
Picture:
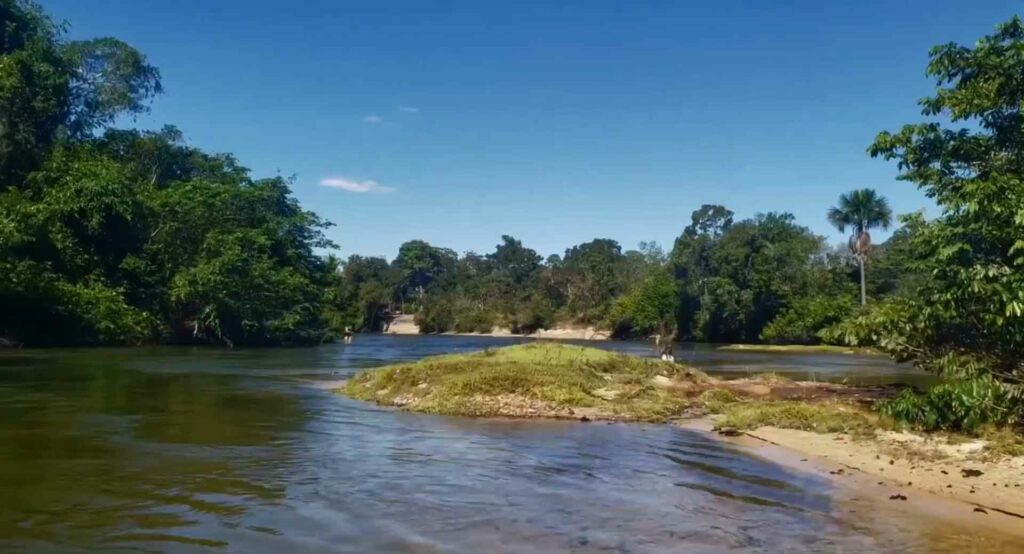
737	277
966	321
860	210
589	277
420	264
514	263
34	82
649	308
108	78
364	293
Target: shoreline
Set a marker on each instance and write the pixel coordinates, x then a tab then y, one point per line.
867	470
406	325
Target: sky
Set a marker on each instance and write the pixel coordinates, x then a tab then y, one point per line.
457	122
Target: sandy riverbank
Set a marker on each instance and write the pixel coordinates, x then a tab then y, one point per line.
406	325
863	491
928	473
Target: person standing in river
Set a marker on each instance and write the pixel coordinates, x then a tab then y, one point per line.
665	347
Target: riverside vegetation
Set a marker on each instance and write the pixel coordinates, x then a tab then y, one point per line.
113	236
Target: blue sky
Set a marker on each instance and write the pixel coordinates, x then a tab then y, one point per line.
555	122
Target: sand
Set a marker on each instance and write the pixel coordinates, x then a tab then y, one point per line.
902	469
406	325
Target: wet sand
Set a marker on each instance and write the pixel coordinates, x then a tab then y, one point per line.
984	510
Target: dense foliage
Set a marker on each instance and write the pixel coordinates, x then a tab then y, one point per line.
965	320
723	281
113	236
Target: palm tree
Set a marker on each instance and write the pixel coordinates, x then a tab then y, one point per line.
860	210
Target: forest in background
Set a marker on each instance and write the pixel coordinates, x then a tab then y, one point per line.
113	236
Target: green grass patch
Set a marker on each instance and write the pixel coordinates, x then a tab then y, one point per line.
821	417
716	400
542	377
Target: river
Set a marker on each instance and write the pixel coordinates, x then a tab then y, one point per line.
216	450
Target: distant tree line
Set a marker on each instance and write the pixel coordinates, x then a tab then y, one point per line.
760	279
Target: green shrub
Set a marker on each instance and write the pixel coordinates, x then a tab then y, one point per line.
803	322
955	406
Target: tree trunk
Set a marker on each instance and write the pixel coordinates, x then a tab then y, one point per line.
863	283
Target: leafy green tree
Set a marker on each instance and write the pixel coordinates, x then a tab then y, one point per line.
132	237
365	293
860	210
975	249
108	78
737	277
806	320
894	269
420	265
649	308
513	263
589	279
34	83
966	322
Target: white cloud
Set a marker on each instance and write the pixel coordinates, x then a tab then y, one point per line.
371	119
352	185
408	109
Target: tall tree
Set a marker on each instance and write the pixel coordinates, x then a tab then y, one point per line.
967	319
420	265
860	210
108	78
589	275
34	80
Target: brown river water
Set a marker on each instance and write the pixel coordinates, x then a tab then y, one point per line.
210	450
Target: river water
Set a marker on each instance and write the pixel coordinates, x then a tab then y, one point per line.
207	450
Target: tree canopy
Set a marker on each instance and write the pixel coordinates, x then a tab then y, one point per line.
120	236
964	319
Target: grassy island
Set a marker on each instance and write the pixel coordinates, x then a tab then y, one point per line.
533	380
565	381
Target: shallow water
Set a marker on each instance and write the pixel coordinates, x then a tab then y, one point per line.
181	450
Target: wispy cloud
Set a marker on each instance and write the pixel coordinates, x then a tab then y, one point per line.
351	185
408	109
372	119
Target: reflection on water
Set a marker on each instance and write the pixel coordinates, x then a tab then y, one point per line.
181	450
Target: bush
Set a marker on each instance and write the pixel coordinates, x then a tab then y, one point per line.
532	315
435	317
964	405
804	321
649	308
